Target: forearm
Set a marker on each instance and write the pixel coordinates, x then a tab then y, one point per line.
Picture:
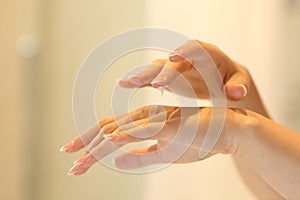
273	151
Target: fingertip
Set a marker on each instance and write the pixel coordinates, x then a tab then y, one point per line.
77	170
67	147
122	82
127	83
63	149
175	56
245	91
236	92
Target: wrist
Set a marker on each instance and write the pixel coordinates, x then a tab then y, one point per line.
239	125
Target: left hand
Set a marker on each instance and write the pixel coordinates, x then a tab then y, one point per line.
159	123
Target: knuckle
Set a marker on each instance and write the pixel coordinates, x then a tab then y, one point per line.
107	129
101	122
144	111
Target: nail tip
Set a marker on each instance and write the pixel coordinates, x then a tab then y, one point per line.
63	149
245	89
71	173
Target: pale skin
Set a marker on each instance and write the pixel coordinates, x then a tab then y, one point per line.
267	154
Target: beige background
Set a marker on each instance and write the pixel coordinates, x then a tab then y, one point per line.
36	92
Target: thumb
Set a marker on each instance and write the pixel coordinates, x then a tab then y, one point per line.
237	86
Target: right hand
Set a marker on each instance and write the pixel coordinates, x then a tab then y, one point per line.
236	79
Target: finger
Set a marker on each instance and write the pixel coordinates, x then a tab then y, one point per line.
237	86
97	140
169	72
144	77
142	113
193	49
137	132
105	148
84	139
154	116
116	140
80	166
80	141
108	125
106	132
139	117
107	120
114	133
126	83
139	158
87	160
185	51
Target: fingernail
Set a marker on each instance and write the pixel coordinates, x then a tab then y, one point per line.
73	170
72	173
66	147
175	56
245	91
63	149
159	80
238	91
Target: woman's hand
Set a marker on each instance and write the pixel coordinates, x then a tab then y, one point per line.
179	133
183	61
183	67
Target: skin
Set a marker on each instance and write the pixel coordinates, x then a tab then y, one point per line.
161	125
266	153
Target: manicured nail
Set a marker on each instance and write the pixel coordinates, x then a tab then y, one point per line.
72	173
175	56
245	91
63	149
73	170
66	147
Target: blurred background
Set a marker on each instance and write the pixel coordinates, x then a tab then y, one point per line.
43	44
